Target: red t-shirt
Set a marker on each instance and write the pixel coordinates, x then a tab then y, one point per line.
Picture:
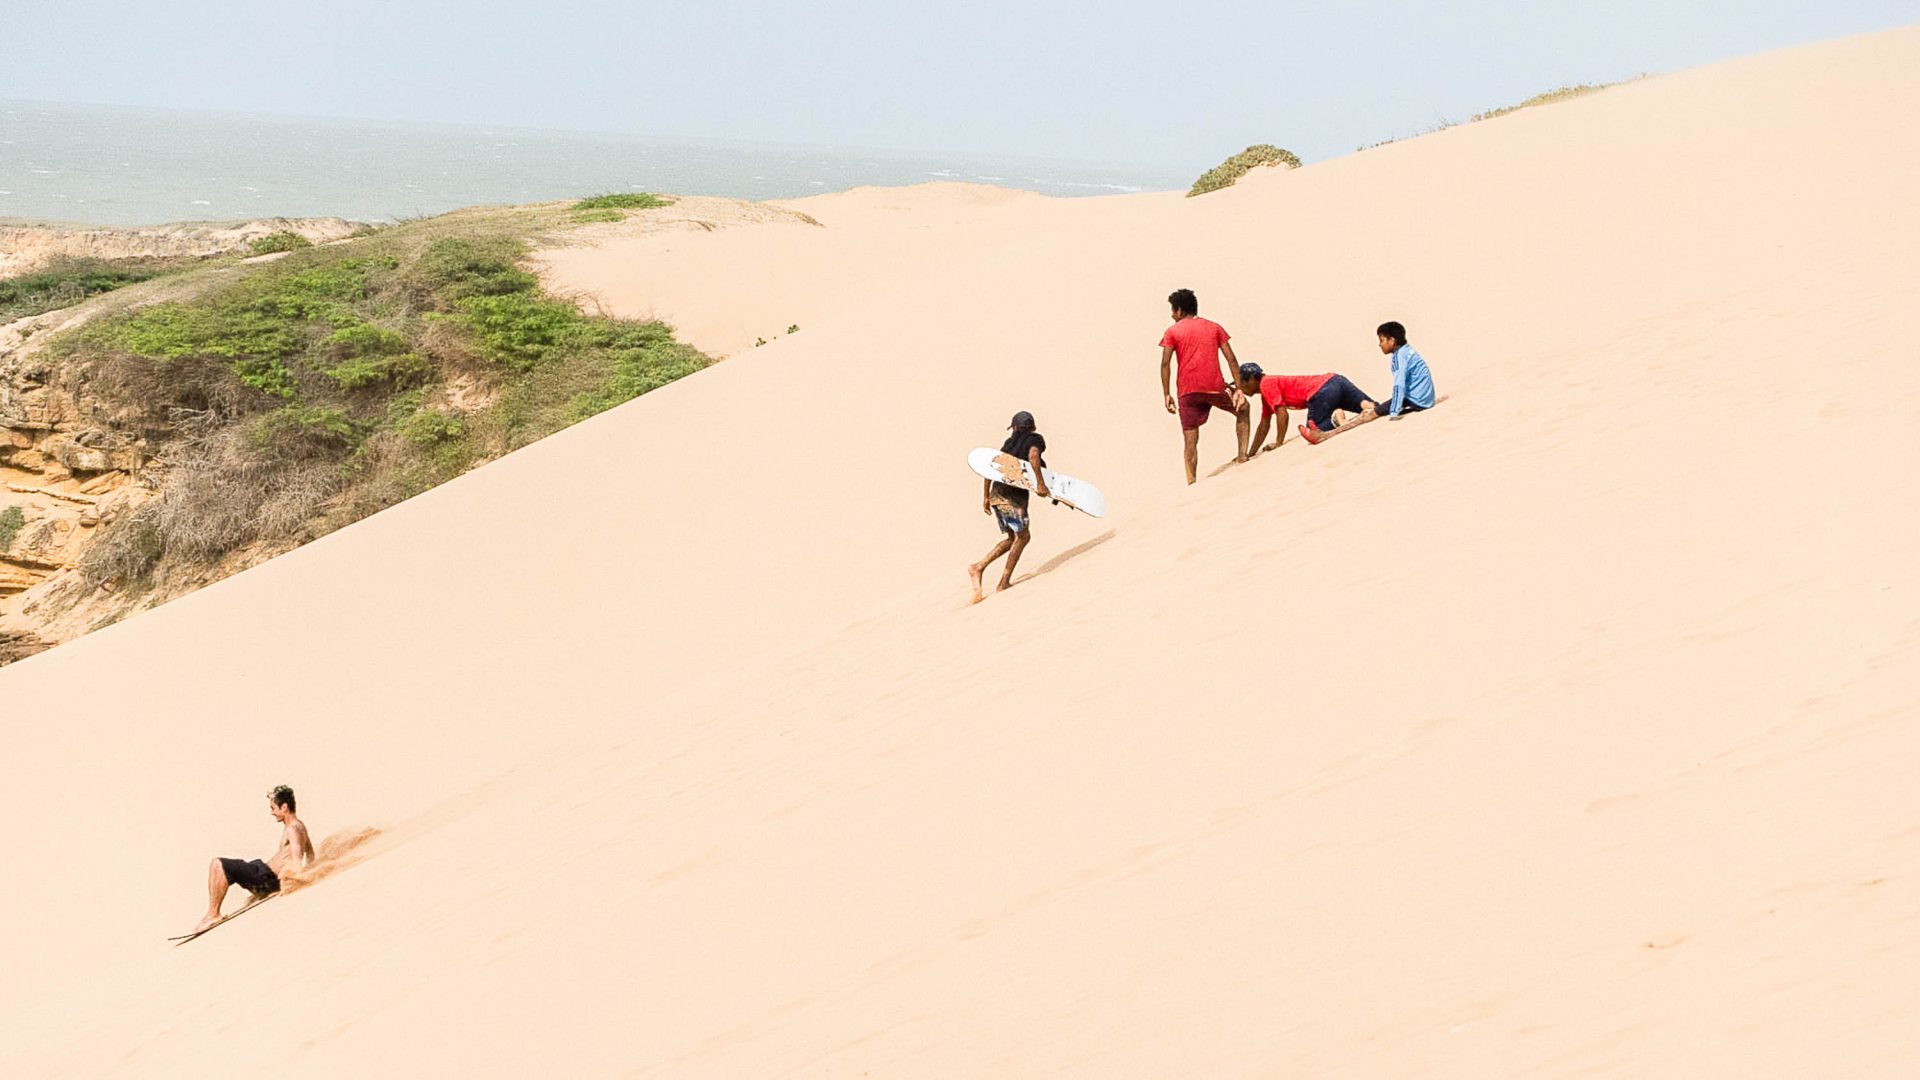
1196	345
1289	391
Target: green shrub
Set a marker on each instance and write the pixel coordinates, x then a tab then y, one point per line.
12	520
361	372
633	200
280	241
426	427
590	217
305	430
359	339
67	281
635	372
1237	166
518	330
457	267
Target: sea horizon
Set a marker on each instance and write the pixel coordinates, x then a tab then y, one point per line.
119	165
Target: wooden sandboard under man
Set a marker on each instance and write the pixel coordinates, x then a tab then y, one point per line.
1366	416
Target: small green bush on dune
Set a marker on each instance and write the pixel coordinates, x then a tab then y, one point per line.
280	241
630	200
456	267
1239	165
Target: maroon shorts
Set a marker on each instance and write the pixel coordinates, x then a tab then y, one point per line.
1194	408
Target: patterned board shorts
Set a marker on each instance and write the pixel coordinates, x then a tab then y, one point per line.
1011	516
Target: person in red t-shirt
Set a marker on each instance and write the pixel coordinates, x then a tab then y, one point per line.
1205	383
1320	395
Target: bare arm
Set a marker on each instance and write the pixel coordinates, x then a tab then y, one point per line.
1039	477
1166	373
1279	432
986	496
1260	435
1232	373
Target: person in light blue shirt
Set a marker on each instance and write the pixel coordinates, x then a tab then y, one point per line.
1412	383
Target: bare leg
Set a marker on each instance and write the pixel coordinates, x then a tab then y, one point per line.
1192	436
216	893
979	569
1242	421
1013	557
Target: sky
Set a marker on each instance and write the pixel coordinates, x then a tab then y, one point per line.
1165	84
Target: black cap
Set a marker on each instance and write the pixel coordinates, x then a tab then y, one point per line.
1022	421
1250	371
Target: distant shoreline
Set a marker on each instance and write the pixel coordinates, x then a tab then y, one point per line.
118	166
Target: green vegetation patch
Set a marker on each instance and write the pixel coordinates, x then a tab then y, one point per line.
67	281
12	520
1227	172
300	394
280	241
630	200
1563	93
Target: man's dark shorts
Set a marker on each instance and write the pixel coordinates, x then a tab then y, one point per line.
1337	392
252	875
1011	516
1194	408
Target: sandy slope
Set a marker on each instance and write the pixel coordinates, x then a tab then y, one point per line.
1567	730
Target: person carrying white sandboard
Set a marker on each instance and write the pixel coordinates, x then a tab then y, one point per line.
1007	504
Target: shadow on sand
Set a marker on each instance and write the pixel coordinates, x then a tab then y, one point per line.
1070	553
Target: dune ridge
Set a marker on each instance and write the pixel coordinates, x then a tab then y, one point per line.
1563	730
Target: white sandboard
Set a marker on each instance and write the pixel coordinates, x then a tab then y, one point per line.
990	464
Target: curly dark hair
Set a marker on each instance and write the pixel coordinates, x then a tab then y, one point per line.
1184	300
283	796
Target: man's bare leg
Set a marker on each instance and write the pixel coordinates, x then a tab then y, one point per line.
1013	558
216	894
1242	423
978	570
1192	451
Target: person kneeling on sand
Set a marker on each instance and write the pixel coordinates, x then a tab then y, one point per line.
1412	382
262	879
1204	382
1320	395
1008	504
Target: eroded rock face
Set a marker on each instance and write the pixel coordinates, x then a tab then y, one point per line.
63	474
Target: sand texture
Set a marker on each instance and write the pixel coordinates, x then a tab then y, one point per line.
1568	729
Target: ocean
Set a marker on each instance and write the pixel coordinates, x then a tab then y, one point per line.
110	165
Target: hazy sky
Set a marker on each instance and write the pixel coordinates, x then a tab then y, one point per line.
1163	83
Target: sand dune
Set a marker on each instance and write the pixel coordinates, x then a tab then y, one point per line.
1566	730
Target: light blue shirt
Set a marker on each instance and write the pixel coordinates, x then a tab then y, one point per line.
1412	384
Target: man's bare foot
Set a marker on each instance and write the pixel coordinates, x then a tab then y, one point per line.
979	593
206	923
1005	584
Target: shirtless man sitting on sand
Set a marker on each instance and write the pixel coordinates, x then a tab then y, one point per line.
262	879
